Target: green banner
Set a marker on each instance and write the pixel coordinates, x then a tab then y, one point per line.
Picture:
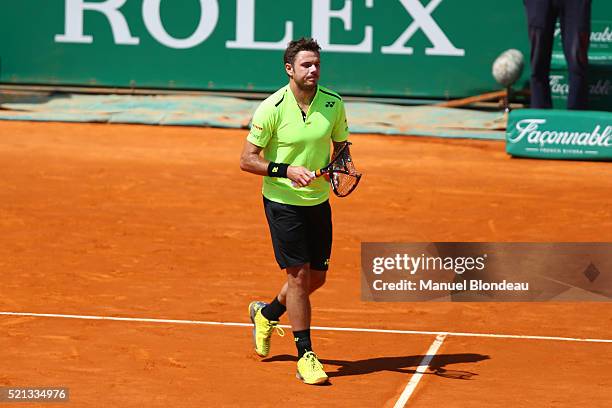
397	48
600	41
550	134
416	48
599	85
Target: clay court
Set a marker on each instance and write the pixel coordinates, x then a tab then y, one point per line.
143	222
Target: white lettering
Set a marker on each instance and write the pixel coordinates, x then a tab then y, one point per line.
592	139
245	30
601	87
529	128
416	264
73	24
321	27
602	36
525	126
423	20
441	286
558	87
504	285
377	265
402	285
208	21
322	16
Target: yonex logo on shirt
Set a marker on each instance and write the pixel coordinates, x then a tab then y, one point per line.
329	104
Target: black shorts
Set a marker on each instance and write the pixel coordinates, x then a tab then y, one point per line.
300	234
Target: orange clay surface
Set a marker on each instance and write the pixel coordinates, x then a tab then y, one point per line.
159	222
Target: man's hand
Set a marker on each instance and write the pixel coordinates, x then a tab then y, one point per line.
300	176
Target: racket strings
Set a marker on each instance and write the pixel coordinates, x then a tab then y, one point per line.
343	183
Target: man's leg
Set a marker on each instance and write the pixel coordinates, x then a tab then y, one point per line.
292	240
576	31
541	17
277	307
298	306
319	238
317	279
301	282
288	233
309	369
297	297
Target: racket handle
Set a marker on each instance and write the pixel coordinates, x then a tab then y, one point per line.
313	173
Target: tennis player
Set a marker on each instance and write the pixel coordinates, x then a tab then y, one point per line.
295	127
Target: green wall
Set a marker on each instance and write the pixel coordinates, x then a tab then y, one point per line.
32	50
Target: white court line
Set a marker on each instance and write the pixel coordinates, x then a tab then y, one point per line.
423	365
346	329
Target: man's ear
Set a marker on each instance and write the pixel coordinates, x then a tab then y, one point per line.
289	69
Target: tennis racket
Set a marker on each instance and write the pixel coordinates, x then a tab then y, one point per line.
342	173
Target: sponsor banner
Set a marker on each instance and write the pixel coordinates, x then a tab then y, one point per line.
486	272
600	88
396	48
600	40
550	134
417	48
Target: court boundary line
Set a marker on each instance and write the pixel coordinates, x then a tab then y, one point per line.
323	328
420	370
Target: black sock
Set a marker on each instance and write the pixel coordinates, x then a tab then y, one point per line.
302	341
274	310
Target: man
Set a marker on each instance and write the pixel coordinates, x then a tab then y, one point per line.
575	21
294	127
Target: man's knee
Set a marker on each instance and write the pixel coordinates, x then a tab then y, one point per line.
317	279
298	277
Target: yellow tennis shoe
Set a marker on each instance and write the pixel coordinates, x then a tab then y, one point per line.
310	370
262	329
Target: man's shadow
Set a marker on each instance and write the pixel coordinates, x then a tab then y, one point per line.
400	364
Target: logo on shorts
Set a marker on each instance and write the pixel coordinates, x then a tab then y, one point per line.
327	262
330	104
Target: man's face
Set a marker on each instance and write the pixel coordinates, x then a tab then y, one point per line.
305	70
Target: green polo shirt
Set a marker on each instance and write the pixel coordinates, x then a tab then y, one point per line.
279	128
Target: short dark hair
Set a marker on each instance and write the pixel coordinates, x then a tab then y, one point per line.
303	44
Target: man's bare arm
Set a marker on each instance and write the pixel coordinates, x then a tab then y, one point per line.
252	162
